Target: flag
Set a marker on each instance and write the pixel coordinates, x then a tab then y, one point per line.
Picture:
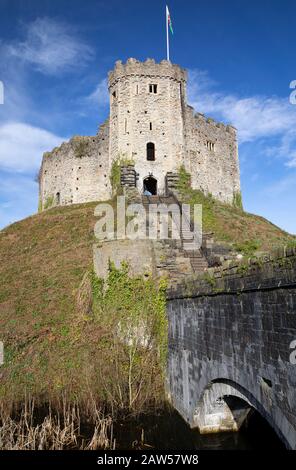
169	20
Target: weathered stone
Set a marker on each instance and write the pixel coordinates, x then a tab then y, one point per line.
147	105
231	338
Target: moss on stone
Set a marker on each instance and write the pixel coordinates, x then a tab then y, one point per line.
115	174
49	202
81	147
237	200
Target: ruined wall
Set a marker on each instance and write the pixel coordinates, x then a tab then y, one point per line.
77	171
138	116
235	328
212	156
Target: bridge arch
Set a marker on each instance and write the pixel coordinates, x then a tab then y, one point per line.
224	405
225	340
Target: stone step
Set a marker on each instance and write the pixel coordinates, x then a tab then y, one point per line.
183	256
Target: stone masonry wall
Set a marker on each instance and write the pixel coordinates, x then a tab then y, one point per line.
235	328
77	171
212	156
139	116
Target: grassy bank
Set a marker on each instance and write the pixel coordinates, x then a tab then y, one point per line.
58	323
246	232
67	335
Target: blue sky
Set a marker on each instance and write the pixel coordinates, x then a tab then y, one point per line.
54	59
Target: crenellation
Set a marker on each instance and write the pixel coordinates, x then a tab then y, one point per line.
151	124
213	156
134	68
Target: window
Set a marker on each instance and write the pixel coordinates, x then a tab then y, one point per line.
210	146
125	126
150	151
153	88
114	96
151	126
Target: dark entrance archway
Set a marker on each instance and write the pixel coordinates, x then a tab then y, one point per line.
150	186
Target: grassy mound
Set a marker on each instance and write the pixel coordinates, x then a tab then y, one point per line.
57	321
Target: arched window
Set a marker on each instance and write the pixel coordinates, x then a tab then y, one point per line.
150	151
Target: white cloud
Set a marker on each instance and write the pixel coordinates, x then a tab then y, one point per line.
286	148
100	96
22	146
51	47
255	117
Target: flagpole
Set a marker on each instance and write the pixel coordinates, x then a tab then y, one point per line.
167	33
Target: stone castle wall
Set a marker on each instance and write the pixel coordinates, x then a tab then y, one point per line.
139	116
79	170
212	156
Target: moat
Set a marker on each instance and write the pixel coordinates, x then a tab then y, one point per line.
169	431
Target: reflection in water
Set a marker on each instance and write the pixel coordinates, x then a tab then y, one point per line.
167	430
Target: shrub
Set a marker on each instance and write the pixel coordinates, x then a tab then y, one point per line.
49	202
115	174
237	200
247	247
133	312
80	147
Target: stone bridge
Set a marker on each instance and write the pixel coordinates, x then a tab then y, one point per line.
231	335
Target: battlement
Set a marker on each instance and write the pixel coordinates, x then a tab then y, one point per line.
151	124
134	67
201	118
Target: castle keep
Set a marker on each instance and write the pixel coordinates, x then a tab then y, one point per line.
153	129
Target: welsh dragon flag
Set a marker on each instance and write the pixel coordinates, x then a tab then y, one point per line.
169	20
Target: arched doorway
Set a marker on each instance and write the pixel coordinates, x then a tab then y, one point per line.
150	186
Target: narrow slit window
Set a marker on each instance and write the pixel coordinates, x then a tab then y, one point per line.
153	88
125	125
210	146
151	126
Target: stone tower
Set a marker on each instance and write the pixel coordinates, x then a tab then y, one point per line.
147	102
151	131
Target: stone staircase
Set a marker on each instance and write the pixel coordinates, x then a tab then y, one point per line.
179	257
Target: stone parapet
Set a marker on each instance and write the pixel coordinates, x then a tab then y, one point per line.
149	67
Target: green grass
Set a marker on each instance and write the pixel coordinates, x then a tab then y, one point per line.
115	175
57	324
53	344
230	224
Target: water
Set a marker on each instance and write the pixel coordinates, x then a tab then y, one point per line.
169	431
